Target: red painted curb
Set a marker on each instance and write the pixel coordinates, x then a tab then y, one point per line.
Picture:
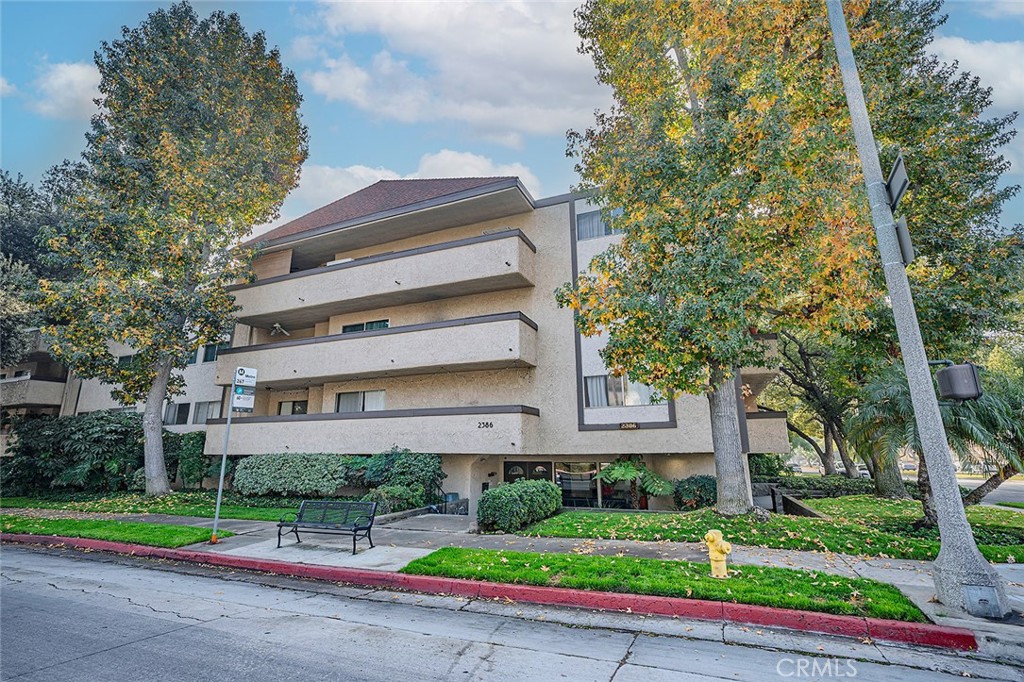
807	621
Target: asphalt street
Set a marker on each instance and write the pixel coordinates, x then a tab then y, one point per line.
70	617
1009	491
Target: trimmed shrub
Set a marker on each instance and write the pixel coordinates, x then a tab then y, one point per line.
766	464
835	486
299	474
695	492
512	506
396	498
399	466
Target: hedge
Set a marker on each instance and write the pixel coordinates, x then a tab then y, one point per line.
512	506
835	486
396	498
695	492
298	474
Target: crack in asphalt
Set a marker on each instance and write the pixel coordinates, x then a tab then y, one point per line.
309	590
127	599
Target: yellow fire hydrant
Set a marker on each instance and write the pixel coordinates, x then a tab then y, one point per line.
718	549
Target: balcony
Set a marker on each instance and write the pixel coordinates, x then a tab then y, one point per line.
491	262
31	392
482	429
498	341
758	378
767	432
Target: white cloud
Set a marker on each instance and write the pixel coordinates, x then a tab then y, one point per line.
1000	66
999	8
505	68
67	90
449	164
6	88
321	185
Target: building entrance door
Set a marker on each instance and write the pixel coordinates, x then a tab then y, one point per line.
533	471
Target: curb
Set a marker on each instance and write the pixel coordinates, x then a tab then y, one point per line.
807	621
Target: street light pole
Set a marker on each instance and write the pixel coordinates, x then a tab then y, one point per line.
963	578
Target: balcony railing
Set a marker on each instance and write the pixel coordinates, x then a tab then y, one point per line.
31	392
767	432
477	429
491	262
497	341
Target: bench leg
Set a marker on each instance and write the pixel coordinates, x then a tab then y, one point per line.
296	531
370	538
353	543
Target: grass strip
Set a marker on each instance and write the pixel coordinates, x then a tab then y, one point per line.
758	585
1015	505
199	504
887	532
153	534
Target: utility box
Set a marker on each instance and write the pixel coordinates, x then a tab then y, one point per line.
959	382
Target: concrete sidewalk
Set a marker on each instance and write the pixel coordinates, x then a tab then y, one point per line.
399	542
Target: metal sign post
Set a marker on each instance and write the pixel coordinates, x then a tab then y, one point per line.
963	578
243	397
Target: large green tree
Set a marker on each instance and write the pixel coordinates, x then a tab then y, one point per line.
197	138
725	153
17	284
969	266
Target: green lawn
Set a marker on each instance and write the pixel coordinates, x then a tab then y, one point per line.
882	529
765	586
197	503
1015	505
154	534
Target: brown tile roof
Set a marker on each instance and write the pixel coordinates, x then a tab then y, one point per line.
384	195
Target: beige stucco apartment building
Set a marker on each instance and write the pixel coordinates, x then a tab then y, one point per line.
41	386
420	314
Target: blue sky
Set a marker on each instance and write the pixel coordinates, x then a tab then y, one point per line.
412	89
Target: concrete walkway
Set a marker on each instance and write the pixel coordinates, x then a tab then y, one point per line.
400	542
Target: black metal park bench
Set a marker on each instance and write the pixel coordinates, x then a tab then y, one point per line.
331	517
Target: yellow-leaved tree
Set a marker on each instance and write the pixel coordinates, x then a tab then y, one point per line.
197	138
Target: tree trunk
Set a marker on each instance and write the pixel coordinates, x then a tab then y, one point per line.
731	473
828	464
152	428
931	516
975	497
830	455
888	478
869	462
844	454
634	494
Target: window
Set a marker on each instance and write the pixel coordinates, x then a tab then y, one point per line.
292	407
20	373
364	326
211	351
604	390
359	401
176	414
590	225
192	358
125	359
116	410
205	411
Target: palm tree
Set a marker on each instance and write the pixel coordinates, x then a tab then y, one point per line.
993	423
641	479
